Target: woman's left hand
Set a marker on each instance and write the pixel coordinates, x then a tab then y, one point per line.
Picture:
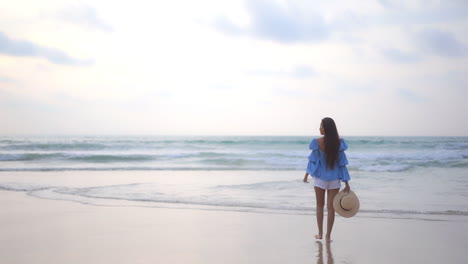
347	188
305	178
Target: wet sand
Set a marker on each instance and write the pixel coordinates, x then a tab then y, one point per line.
52	231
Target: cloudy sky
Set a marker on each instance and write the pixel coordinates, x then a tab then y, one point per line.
253	67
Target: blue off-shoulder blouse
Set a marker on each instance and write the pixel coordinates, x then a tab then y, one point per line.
317	166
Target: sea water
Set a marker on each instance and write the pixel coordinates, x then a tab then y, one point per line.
405	177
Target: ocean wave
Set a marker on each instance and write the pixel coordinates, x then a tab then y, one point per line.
29	156
414	212
233	162
223	164
55	146
152	195
113	158
146	168
385	167
81	157
226	157
109	144
22	187
272	185
405	156
220	158
390	154
234	165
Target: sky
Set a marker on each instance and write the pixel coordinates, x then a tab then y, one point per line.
211	67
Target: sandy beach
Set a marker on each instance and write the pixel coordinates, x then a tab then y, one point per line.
48	231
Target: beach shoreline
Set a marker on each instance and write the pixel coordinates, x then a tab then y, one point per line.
53	231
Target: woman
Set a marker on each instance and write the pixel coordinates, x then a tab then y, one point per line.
327	164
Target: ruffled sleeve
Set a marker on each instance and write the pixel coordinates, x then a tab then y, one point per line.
314	159
343	145
314	155
344	173
314	144
343	161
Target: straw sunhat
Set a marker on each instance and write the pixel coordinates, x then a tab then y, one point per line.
346	205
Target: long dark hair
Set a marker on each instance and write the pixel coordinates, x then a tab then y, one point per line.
332	141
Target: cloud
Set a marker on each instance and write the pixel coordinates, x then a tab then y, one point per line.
225	25
24	48
441	43
303	71
399	56
271	21
350	87
299	71
4	79
390	4
427	42
410	95
84	16
423	4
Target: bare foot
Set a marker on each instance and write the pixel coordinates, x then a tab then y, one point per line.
327	238
318	236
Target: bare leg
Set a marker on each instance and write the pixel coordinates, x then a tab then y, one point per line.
320	198
331	212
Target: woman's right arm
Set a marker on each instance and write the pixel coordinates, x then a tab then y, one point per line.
347	187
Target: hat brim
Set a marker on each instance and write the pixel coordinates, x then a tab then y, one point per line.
340	210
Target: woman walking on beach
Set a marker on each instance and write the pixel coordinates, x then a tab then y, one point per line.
327	165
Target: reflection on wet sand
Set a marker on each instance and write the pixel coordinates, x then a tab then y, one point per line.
320	253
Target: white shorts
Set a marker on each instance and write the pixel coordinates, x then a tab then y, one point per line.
327	185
